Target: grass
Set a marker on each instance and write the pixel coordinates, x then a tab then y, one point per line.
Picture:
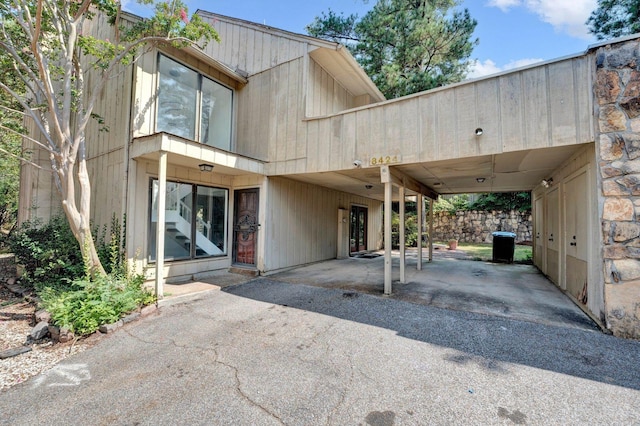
481	251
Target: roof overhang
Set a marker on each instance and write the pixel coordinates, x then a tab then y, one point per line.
197	53
191	154
342	66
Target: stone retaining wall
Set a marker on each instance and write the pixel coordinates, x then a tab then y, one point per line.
7	267
617	94
477	226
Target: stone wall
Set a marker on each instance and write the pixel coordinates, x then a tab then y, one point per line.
477	226
617	103
7	267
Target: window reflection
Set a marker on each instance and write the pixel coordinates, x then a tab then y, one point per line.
188	101
195	221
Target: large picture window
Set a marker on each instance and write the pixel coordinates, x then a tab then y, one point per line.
193	106
195	221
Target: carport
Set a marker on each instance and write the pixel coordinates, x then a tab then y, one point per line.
508	132
513	291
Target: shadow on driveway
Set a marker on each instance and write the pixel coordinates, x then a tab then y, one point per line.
581	353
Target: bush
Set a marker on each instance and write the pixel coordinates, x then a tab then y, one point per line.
54	267
88	304
48	252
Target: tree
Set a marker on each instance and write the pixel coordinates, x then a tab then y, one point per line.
43	43
405	46
615	18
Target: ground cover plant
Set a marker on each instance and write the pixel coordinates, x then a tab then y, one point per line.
53	266
484	251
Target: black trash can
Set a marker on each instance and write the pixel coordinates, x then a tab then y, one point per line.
504	245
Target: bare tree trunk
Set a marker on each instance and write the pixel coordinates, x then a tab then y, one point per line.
79	219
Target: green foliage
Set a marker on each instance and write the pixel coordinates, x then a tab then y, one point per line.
505	201
54	266
51	256
86	305
615	18
405	46
452	205
49	253
411	229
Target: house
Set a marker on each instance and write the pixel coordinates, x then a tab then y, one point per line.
271	150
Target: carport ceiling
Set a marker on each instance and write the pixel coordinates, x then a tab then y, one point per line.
512	171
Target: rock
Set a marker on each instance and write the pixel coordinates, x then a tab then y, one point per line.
11	281
618	209
14	352
110	328
54	331
131	317
40	331
42	316
66	335
607	87
629	269
612	119
611	148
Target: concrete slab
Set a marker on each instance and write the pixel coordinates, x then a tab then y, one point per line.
513	291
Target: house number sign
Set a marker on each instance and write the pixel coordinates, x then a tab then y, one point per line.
381	160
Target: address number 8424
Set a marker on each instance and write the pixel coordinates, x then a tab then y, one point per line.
384	159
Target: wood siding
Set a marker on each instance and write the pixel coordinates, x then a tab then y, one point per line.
539	107
301	223
325	95
250	47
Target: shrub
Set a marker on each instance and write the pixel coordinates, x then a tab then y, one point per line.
53	265
88	304
49	253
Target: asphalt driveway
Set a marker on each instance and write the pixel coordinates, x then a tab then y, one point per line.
270	352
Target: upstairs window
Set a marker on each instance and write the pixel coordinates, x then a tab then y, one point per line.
193	106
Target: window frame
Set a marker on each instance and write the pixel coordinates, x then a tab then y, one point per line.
198	112
151	243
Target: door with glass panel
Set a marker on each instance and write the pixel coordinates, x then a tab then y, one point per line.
358	229
245	226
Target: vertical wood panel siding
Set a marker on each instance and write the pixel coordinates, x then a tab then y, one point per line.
302	222
539	107
325	95
250	47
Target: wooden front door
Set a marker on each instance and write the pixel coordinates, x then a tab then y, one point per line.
245	226
358	231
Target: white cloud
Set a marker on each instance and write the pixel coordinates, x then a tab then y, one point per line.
567	16
488	67
503	5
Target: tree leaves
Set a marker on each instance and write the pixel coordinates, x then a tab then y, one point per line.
405	46
615	18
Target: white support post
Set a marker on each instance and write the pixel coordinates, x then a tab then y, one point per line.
419	221
403	248
160	225
388	193
431	201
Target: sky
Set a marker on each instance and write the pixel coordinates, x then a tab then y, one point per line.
512	33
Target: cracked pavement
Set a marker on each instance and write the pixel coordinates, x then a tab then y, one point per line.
268	352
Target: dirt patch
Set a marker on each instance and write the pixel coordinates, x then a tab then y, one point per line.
16	321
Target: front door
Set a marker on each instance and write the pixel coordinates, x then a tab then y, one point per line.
358	231
245	226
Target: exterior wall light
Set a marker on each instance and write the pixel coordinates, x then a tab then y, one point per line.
547	182
368	186
205	167
479	131
480	179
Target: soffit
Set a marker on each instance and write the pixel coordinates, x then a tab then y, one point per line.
342	66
